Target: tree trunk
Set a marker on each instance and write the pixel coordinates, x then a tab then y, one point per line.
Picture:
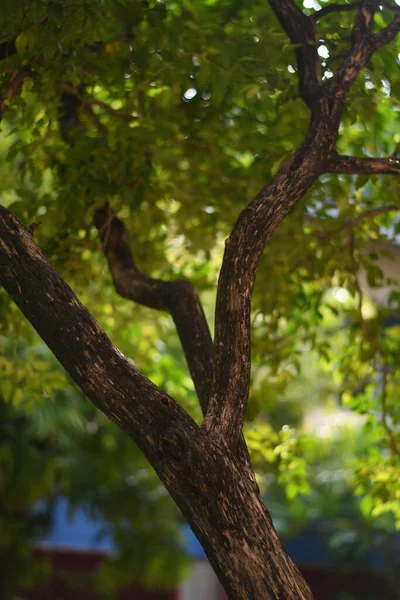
212	484
206	469
216	494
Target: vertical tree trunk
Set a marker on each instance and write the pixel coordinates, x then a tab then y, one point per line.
220	500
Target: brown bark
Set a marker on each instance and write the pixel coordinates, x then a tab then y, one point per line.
259	220
176	297
16	82
212	486
364	166
206	469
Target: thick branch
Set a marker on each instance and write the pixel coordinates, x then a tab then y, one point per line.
364	21
16	82
301	32
81	346
357	165
7	49
334	8
176	297
351	225
209	484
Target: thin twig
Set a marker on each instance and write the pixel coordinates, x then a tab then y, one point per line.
348	226
93	101
353	224
384	416
333	8
96	120
12	88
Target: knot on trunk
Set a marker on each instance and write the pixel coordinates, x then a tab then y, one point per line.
175	444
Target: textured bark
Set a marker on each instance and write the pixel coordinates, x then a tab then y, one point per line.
176	297
364	166
206	469
213	488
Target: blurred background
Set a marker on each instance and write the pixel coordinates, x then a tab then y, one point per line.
176	114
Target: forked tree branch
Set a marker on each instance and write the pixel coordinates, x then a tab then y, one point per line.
334	8
354	223
176	297
356	165
256	224
208	483
243	252
206	478
179	298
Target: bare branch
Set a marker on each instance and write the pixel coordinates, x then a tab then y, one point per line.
364	44
243	252
301	32
208	483
105	376
176	297
357	165
333	8
256	224
94	102
378	350
364	21
16	81
350	225
386	35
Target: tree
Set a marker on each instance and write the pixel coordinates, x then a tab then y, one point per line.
81	84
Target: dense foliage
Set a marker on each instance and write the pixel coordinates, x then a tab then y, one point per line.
176	113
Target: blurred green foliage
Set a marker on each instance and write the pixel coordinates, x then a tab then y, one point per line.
176	114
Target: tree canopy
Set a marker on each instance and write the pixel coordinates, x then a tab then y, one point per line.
148	127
